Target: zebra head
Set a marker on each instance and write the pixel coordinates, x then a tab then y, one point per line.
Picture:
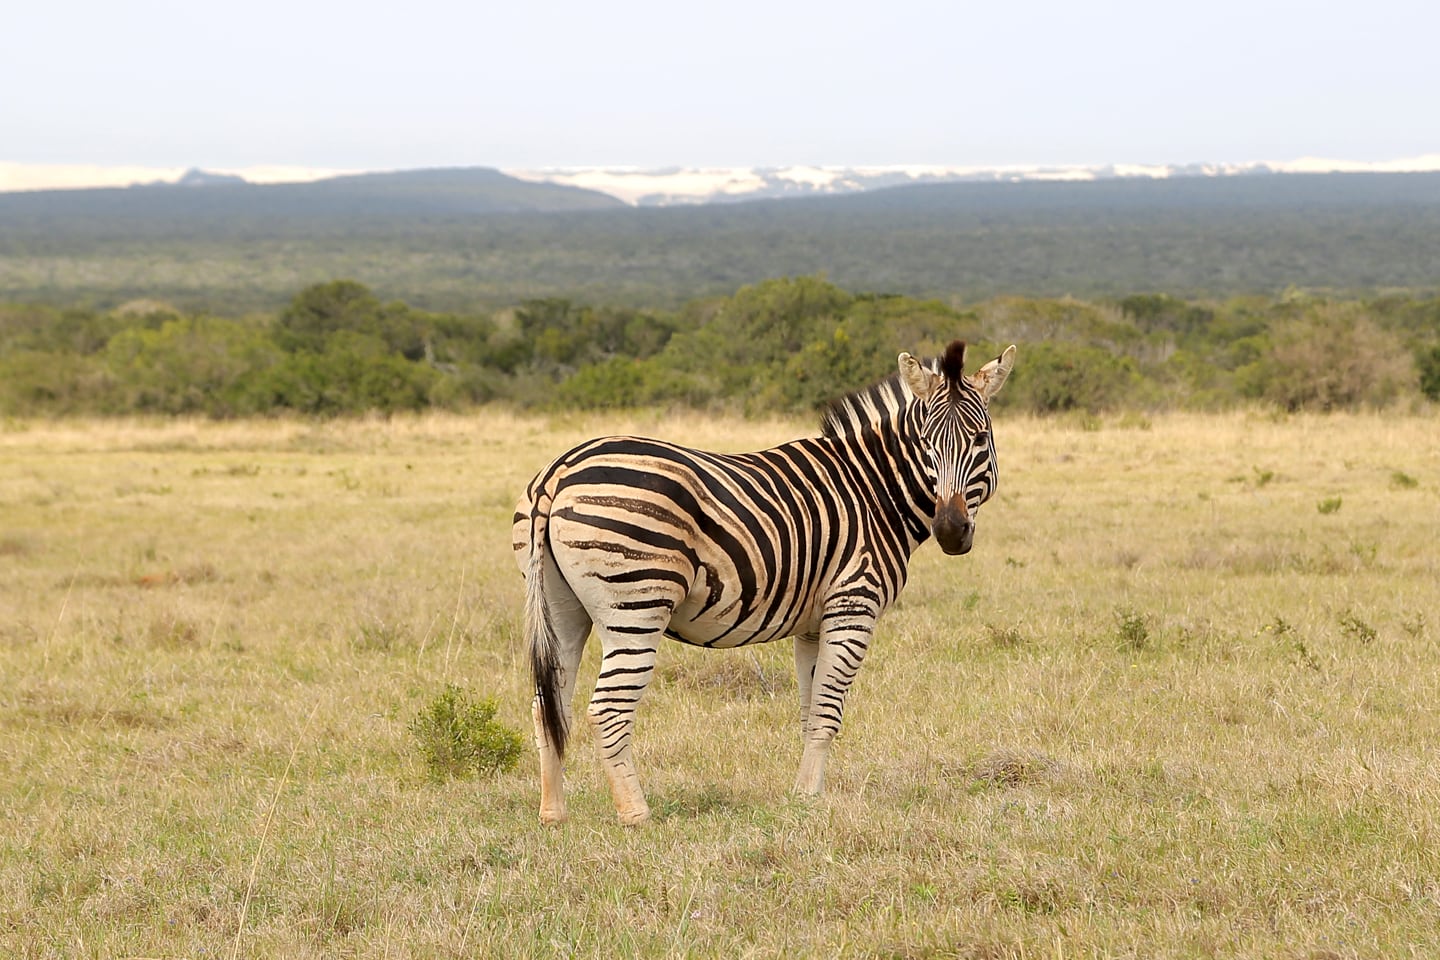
954	430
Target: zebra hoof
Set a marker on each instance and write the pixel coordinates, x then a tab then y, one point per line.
634	816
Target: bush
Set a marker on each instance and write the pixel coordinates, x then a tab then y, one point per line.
1331	357
188	365
355	373
461	738
1058	377
322	310
787	344
851	357
1429	364
616	383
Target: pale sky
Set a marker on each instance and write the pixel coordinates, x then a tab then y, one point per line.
526	84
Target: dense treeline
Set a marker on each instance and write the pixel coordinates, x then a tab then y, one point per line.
781	345
465	248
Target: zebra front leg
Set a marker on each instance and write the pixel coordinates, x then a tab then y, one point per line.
843	641
807	648
625	672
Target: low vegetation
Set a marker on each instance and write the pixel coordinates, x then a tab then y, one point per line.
775	347
1164	709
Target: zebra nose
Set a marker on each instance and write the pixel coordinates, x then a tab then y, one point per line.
953	528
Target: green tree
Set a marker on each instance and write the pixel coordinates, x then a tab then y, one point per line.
1429	364
49	382
356	372
324	309
188	365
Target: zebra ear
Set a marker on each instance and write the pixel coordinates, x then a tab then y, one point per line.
991	377
921	382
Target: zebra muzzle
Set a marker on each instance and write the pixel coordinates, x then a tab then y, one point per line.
953	528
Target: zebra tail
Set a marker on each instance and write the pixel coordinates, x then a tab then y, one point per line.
540	640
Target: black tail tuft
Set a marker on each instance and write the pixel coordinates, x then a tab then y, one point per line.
547	691
541	641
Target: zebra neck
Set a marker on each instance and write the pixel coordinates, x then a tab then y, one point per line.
890	465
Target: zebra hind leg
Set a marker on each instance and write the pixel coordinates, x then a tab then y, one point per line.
625	672
572	628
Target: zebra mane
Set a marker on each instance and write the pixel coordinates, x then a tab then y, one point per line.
867	407
953	362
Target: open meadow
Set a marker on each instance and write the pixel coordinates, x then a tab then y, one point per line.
1182	700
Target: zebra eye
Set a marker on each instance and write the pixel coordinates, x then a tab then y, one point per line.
982	437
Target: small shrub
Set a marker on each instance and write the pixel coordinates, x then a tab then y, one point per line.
1304	657
1285	631
1356	629
1403	481
1415	625
461	738
1365	553
377	636
11	546
1132	629
1328	505
1005	637
1011	768
173	633
1279	627
1263	477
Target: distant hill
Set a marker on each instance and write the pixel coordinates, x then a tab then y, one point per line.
682	185
196	177
460	191
462	239
690	185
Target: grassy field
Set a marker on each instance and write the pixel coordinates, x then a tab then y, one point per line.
1180	701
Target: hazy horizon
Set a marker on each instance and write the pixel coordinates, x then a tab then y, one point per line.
631	183
640	84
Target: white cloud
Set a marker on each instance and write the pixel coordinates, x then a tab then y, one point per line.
32	176
283	174
820	177
1426	163
38	176
631	185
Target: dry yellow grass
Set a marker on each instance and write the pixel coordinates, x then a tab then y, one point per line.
1171	706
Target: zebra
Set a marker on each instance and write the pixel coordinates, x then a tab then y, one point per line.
641	538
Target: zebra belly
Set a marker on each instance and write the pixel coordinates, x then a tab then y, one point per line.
691	623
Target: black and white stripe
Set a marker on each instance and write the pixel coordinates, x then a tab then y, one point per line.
641	539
